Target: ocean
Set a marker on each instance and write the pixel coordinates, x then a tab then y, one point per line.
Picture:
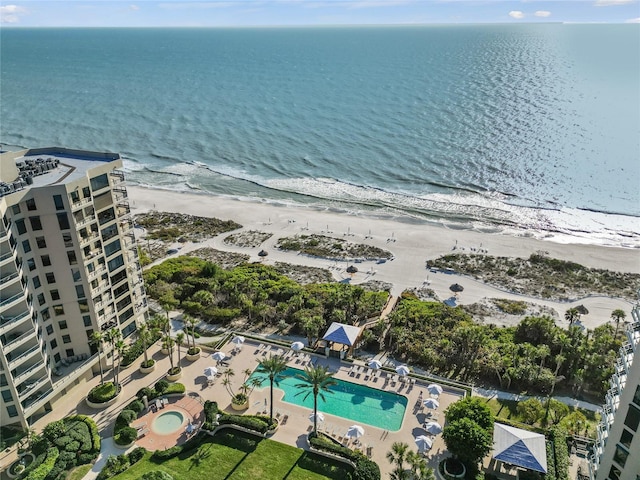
532	129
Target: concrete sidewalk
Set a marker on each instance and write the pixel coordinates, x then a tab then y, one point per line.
572	402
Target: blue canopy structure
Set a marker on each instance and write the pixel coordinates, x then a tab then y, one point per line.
519	447
341	333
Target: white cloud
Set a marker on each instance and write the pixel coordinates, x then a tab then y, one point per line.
543	13
516	14
134	7
11	13
610	3
633	20
199	5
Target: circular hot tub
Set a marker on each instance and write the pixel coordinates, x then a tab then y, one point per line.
168	422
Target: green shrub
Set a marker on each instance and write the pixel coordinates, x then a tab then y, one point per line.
135	406
135	350
193	442
251	422
149	392
323	443
157	475
136	454
366	470
84	458
559	437
125	436
175	388
45	467
125	418
66	460
103	393
114	466
61	441
73	446
161	386
54	430
93	431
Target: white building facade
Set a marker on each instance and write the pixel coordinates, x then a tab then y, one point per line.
616	453
68	268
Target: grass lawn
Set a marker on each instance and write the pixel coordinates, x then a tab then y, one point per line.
78	473
508	409
238	456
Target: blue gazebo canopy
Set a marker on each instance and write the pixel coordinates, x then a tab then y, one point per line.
519	447
342	333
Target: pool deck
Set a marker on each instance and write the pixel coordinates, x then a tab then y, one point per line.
292	432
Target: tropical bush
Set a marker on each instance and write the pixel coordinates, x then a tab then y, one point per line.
257	423
161	386
136	454
136	349
136	406
193	442
40	472
103	393
175	388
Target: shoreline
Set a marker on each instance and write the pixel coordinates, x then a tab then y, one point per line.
410	244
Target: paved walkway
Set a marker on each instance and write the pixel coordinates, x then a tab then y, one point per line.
572	402
107	448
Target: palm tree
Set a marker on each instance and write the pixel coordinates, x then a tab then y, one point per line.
616	316
145	335
316	380
113	335
179	341
273	368
419	467
191	323
120	347
169	343
96	339
397	455
572	315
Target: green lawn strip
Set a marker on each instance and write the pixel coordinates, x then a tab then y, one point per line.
78	473
241	456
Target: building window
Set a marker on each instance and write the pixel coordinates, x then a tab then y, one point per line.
66	238
3	380
69	352
12	411
63	221
26	246
86	193
51	278
109	232
6	396
46	260
633	418
80	291
66	338
36	282
626	438
36	224
16	209
614	473
62	324
22	228
41	242
620	457
49	329
99	182
87	320
112	248
75	273
55	295
57	200
31	204
53	344
106	216
89	333
71	255
74	197
57	357
41	300
83	305
129	329
115	263
636	396
45	314
58	310
31	263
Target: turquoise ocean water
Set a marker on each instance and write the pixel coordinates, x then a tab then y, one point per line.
492	127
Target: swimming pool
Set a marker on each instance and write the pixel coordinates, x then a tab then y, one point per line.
356	402
168	422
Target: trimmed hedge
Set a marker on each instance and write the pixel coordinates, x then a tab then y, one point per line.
559	437
252	422
93	431
136	454
210	412
162	455
323	443
152	393
125	436
366	470
135	406
551	461
175	388
45	467
103	393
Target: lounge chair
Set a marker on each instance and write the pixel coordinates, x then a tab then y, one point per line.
284	420
143	432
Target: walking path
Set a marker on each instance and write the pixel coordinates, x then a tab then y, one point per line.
572	402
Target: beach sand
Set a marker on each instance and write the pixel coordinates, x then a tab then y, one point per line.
410	242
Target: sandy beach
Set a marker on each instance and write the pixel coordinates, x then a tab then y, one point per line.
411	244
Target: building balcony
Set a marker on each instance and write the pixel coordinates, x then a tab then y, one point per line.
20	375
117	177
7	323
7	280
11	301
6	258
97	272
18	359
17	339
92	255
84	241
35	401
85	221
81	203
32	384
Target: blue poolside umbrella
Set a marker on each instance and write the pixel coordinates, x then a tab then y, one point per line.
431	403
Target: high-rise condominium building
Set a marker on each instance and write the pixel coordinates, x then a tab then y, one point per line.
68	267
616	454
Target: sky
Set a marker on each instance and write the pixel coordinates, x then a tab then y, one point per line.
238	13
